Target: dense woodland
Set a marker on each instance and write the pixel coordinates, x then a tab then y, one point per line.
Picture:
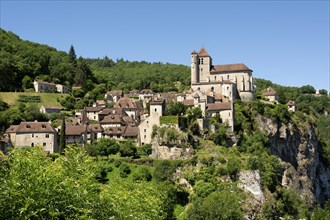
110	179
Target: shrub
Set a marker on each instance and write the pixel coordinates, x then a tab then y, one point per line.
124	170
142	174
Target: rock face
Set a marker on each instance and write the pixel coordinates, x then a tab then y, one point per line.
171	153
250	182
299	150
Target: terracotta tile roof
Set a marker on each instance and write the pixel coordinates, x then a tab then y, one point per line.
111	111
125	103
74	130
230	68
115	130
115	93
128	120
146	91
12	129
270	92
291	103
94	109
95	128
157	101
131	131
35	127
188	102
112	119
218	106
218	96
203	53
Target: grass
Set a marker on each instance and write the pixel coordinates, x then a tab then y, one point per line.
45	98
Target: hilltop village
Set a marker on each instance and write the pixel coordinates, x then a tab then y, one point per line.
134	116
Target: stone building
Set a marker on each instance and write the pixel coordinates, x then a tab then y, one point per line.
157	109
231	80
34	134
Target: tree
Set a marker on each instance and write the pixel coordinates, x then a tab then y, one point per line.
72	55
127	149
308	89
106	147
62	136
218	205
27	82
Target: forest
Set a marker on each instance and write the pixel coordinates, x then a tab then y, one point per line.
118	180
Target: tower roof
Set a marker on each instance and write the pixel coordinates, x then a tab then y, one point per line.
203	53
194	52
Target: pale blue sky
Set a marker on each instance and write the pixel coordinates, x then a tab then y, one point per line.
285	42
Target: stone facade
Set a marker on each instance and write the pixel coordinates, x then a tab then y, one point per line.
35	134
232	80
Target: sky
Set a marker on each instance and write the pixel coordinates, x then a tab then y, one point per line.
286	42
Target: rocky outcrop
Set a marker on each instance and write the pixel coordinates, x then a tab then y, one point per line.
299	150
249	181
170	153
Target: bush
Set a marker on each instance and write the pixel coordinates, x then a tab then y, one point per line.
124	170
142	174
145	150
127	149
164	169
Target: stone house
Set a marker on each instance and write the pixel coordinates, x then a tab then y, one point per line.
41	86
61	88
34	134
291	106
157	109
113	95
48	109
128	106
271	95
78	134
225	110
93	112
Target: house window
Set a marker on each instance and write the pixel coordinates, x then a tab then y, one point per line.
227	76
155	109
229	114
145	130
215	78
47	135
118	135
145	136
212	89
32	135
32	144
44	144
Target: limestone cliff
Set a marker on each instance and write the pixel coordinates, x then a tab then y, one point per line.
299	150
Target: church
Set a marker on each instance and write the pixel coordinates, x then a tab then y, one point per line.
233	81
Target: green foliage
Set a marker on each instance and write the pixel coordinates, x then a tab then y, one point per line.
289	204
323	127
175	108
169	120
141	174
127	149
62	135
145	150
124	170
24	98
34	187
322	214
218	205
164	169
